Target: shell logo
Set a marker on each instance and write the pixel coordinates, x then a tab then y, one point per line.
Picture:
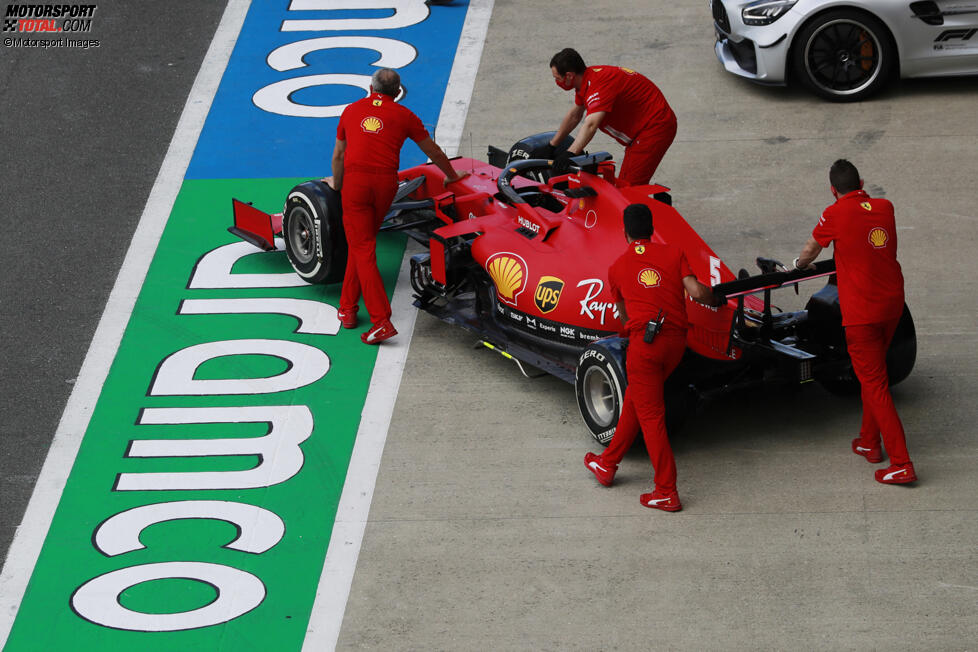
371	125
508	272
648	277
866	206
878	237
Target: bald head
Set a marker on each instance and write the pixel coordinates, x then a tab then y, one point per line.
386	82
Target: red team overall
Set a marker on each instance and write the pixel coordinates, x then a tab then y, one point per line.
622	103
648	278
369	137
871	297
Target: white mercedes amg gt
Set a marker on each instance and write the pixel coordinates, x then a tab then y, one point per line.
845	50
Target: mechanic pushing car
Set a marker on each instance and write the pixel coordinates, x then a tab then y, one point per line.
871	297
366	157
647	283
622	103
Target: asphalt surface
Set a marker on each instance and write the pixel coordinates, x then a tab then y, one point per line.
82	137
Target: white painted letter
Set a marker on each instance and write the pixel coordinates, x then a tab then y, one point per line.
238	592
175	375
258	528
278	452
315	317
393	53
406	13
213	270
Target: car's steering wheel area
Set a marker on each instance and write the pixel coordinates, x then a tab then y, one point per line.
505	181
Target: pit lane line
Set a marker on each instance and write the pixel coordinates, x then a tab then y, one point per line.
350	521
30	535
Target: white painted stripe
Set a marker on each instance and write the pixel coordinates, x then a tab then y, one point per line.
351	516
29	537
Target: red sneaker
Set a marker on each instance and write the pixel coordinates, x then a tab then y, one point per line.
872	455
377	334
348	318
668	502
604	472
897	474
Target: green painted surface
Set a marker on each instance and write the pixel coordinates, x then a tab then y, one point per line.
306	503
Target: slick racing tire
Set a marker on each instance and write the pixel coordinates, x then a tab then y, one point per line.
900	359
312	227
843	56
600	386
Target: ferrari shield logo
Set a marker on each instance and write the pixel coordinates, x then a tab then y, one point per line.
547	295
866	206
640	249
377	102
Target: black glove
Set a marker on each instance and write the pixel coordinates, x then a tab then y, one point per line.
562	162
547	151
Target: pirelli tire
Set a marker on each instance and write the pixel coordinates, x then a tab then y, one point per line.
600	386
312	227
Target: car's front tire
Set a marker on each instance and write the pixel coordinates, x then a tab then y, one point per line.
844	55
313	230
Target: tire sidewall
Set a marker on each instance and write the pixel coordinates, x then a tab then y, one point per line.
325	209
805	35
608	356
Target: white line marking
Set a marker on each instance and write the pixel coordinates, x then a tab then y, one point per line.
351	515
30	535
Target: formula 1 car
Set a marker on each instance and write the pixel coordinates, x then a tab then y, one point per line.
520	257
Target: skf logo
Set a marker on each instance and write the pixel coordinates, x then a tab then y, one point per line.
371	125
866	206
508	272
648	277
548	293
951	34
878	237
640	249
377	102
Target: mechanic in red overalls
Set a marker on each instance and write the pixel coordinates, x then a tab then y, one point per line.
365	161
647	282
622	103
871	297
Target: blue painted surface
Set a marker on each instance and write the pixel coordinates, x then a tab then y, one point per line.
239	140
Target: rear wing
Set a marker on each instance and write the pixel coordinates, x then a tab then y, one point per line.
772	280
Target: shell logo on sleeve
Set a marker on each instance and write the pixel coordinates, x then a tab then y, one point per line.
648	277
878	237
371	125
508	272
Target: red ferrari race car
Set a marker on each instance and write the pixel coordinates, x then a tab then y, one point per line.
520	257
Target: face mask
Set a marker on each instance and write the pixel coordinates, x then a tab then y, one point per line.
563	85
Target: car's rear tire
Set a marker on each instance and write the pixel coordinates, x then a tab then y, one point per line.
312	227
600	386
844	55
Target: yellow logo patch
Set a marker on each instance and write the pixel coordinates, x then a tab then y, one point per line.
509	274
648	277
866	206
371	125
377	102
878	237
640	249
629	71
548	292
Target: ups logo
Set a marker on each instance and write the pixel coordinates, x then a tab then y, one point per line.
548	293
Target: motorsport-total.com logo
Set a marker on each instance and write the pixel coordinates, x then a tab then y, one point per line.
48	18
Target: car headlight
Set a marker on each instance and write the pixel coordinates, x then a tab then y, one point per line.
765	12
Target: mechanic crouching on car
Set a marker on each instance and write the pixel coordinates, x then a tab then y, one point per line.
871	297
622	103
365	162
647	282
